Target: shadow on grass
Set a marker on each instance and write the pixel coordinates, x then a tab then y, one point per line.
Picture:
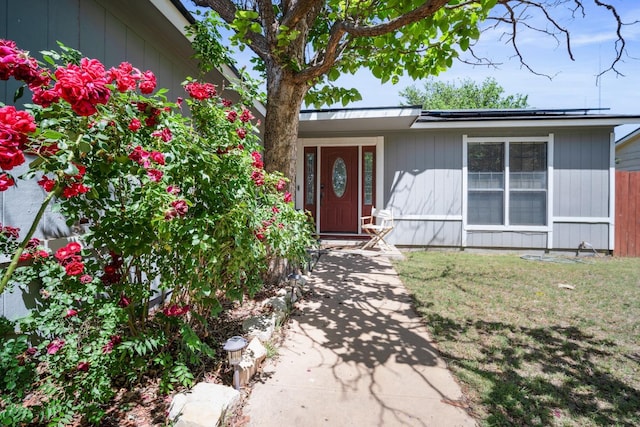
539	376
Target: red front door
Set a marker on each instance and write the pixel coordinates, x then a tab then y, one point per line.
339	190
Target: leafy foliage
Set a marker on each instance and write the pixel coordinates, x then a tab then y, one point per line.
438	95
174	208
304	47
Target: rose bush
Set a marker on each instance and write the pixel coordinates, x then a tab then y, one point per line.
175	207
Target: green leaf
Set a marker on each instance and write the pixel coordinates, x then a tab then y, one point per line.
18	94
464	43
84	147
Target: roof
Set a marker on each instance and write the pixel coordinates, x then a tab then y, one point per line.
413	117
631	136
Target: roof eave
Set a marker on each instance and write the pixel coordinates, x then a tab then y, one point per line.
180	17
512	122
630	137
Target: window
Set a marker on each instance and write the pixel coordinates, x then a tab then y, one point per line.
507	183
368	178
310	178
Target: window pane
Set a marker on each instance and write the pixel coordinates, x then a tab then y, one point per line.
528	165
339	177
486	157
491	180
485	208
368	178
528	207
527	156
310	179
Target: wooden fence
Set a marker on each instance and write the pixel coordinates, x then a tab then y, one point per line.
627	237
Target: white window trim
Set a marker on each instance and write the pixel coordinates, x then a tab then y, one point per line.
508	227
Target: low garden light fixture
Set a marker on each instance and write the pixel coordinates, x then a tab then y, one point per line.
234	347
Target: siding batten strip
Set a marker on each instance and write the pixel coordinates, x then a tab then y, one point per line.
550	191
463	236
612	191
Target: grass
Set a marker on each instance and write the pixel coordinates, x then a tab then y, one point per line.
526	351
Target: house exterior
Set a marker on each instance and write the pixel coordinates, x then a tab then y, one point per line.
628	152
541	179
147	33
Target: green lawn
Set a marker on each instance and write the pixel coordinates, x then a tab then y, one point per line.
526	351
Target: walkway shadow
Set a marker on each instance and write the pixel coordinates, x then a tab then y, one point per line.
367	320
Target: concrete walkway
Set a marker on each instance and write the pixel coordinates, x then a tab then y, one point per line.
356	355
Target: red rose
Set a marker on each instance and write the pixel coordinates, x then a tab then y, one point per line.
25	256
74	268
134	125
148	83
257	160
74	189
231	115
174	310
258	177
6	182
124	301
287	197
200	91
46	183
157	157
246	116
10	157
83	366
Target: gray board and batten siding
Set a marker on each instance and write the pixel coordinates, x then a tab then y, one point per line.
628	152
424	186
112	31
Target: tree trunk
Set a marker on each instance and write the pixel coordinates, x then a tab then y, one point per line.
284	99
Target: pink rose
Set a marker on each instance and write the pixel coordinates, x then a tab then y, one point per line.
54	346
180	206
154	175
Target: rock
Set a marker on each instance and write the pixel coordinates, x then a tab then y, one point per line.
261	327
252	358
203	406
279	305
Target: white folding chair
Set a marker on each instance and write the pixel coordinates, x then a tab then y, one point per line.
377	226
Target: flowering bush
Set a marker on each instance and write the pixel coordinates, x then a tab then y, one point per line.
171	204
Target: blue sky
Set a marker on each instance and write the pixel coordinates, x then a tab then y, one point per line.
573	83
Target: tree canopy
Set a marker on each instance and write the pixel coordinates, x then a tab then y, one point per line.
304	46
439	95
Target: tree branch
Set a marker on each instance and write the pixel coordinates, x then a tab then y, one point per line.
427	9
516	20
336	44
620	42
299	11
227	11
